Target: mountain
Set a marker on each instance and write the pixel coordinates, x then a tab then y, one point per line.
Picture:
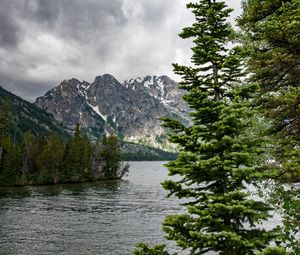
131	109
28	117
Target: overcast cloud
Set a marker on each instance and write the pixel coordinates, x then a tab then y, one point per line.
43	42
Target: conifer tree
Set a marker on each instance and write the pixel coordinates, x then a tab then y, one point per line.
271	37
217	159
50	160
32	146
86	158
111	156
10	168
73	158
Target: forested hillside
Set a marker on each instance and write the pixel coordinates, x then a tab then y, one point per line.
25	116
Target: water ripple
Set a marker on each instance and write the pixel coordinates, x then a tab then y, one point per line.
86	219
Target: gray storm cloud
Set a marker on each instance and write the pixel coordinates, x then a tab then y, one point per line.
43	42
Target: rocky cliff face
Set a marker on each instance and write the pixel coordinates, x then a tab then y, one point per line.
131	109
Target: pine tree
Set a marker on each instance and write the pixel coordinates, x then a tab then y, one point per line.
217	159
73	157
10	168
113	167
64	173
271	37
77	158
86	158
50	160
31	148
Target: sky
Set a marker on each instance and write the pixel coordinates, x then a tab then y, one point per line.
43	42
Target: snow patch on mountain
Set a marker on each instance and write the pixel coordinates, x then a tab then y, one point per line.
132	109
96	110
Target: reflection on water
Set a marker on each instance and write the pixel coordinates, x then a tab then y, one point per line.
92	218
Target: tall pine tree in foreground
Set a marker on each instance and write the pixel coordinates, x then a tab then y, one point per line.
271	30
271	37
217	159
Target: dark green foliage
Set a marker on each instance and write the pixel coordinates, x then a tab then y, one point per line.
218	157
290	201
52	160
271	38
112	158
10	167
273	251
270	31
5	119
27	117
143	249
5	123
77	158
111	153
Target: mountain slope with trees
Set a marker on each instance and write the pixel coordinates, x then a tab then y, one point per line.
25	116
19	117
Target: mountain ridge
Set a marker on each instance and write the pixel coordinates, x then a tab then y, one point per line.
131	109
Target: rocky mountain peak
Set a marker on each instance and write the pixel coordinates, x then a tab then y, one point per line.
106	78
70	82
162	88
131	109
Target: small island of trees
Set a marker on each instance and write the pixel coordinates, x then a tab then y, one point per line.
47	160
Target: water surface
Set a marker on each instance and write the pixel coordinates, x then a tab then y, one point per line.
93	218
107	217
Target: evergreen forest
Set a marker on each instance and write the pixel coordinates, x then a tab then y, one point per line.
46	160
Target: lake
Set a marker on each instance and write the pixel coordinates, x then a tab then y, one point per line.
107	217
93	218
